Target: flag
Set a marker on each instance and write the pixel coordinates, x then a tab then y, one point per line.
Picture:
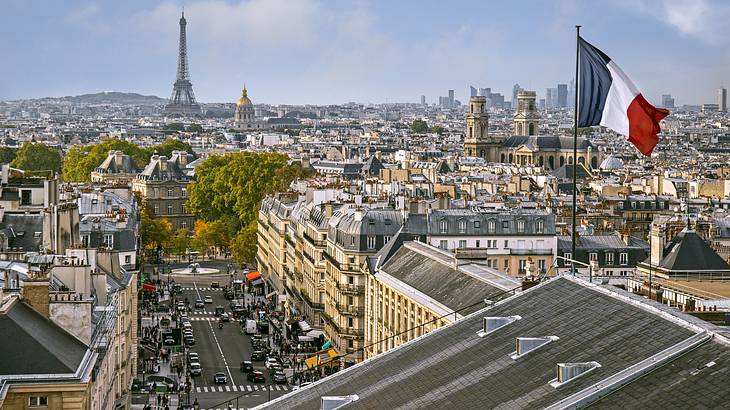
609	98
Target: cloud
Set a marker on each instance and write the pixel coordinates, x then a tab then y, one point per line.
88	18
705	20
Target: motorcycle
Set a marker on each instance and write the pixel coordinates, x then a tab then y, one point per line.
220	325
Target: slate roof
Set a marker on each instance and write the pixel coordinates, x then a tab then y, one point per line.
33	344
421	267
688	252
566	172
546	142
452	367
21	230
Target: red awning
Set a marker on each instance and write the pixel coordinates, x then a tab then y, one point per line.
253	275
148	287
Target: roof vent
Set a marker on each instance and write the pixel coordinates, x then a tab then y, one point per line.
492	323
526	345
336	402
568	372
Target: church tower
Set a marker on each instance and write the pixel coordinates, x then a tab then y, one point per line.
526	118
477	142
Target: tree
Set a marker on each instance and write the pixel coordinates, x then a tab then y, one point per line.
168	146
37	157
194	128
156	234
419	126
243	245
80	160
437	129
180	241
7	155
176	126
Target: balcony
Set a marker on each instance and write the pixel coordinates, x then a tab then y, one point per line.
342	267
351	288
544	252
351	331
350	309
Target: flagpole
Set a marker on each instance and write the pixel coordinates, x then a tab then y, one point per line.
574	235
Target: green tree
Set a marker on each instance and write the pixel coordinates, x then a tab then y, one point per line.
180	241
243	245
80	160
7	155
154	233
37	157
194	128
437	129
168	146
419	126
176	126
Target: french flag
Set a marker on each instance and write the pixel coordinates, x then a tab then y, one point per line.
607	97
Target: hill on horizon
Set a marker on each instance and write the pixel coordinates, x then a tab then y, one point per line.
109	97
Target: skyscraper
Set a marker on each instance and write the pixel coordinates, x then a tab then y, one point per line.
667	101
423	100
562	95
451	98
515	89
182	101
472	91
722	99
551	98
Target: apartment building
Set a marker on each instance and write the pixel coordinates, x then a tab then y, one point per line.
163	186
506	239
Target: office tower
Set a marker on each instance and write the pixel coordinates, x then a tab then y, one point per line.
562	95
571	94
667	101
515	89
551	98
472	91
722	99
423	100
182	101
451	98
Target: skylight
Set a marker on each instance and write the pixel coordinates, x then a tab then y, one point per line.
492	323
525	345
567	372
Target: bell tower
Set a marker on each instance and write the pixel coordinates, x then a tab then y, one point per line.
526	117
476	140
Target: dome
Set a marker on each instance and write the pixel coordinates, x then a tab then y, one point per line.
244	100
611	163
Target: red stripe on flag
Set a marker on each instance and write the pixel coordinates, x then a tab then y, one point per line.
644	124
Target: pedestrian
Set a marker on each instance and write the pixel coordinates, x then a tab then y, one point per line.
159	397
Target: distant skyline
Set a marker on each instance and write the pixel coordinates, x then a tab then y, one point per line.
332	52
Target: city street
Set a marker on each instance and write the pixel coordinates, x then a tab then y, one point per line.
222	350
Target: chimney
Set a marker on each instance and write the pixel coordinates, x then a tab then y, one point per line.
119	158
358	214
328	206
657	240
98	282
35	293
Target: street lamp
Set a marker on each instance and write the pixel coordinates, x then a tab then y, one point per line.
588	265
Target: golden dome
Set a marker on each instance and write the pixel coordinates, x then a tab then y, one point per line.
244	100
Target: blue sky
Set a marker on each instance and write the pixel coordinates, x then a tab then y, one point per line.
322	51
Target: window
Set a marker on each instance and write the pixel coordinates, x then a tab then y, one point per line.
505	225
623	258
478	243
108	240
352	241
506	265
321	276
520	226
541	265
539	226
506	244
371	242
25	197
183	192
350	343
169	192
169	209
350	300
609	258
156	193
633	205
443	226
491	226
593	256
462	243
444	244
386	239
477	224
127	259
38	401
350	322
620	204
567	255
321	297
85	241
156	210
183	209
462	226
184	225
350	280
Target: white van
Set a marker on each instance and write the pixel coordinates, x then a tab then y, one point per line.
250	327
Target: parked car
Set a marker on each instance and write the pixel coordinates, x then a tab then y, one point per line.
258	356
195	369
256	377
208	299
214	285
193	357
189	340
246	366
199	304
279	377
169	341
220	378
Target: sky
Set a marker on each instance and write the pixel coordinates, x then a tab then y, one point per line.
332	52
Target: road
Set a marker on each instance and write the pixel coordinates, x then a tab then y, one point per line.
222	350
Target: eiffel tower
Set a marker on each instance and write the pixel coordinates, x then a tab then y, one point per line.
182	101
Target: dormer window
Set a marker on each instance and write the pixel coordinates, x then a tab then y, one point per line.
539	226
520	226
443	226
492	226
462	226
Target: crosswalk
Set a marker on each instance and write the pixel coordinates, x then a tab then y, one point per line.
241	388
201	289
203	318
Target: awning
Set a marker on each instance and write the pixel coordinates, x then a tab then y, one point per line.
148	287
321	358
253	275
315	333
306	339
258	282
304	326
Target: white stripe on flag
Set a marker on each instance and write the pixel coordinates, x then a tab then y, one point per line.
620	96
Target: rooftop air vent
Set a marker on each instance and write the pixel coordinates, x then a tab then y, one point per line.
568	372
335	402
492	323
526	345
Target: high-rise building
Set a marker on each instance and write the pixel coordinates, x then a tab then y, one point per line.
182	101
551	98
515	89
485	92
667	101
472	91
562	95
571	94
423	100
722	99
451	98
